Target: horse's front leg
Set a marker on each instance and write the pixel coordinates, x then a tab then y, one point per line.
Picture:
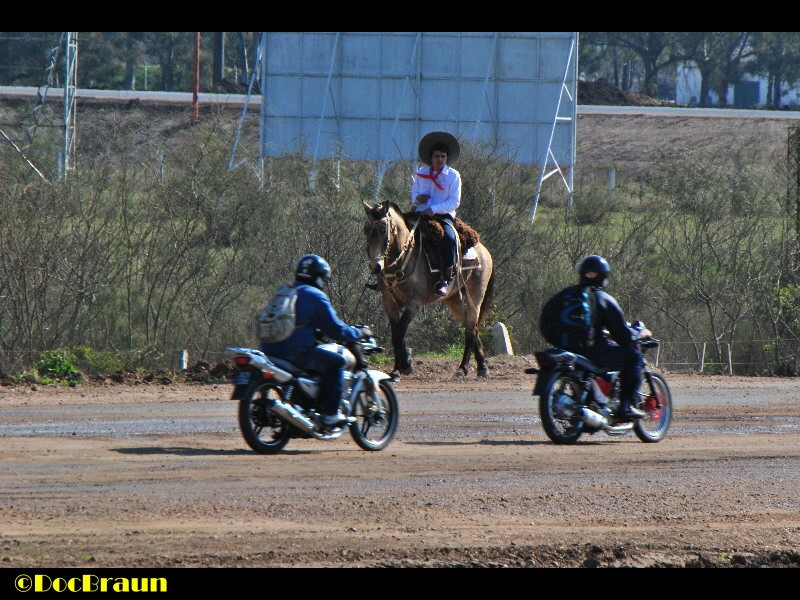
402	364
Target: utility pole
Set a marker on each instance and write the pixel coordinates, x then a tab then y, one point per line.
196	90
218	73
70	88
793	188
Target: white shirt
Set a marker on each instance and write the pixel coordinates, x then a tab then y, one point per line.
441	201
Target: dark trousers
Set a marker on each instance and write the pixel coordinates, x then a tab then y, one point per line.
330	366
447	247
628	361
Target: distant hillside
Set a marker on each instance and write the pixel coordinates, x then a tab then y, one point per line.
632	143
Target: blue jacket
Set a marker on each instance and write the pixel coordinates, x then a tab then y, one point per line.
313	311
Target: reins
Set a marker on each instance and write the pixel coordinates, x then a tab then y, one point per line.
398	275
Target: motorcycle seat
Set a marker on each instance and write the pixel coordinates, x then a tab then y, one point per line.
286	365
560	355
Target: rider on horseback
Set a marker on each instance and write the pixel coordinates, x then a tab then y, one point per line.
436	191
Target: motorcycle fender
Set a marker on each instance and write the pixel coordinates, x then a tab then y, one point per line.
543	381
376	375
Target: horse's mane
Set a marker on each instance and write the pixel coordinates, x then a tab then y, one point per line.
431	227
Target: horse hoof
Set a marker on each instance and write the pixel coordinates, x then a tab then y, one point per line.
407	370
460	374
483	372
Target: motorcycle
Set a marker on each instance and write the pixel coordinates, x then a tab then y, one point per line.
278	401
577	397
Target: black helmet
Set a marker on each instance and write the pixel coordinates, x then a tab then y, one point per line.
312	269
593	271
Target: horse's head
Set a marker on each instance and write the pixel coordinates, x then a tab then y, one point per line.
382	231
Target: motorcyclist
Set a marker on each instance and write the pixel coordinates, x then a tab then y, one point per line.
611	342
314	311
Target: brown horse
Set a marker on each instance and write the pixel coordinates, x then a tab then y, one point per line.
407	284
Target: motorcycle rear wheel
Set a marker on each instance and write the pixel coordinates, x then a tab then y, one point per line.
559	409
657	404
376	421
263	430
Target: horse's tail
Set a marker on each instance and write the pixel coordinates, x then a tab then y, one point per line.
488	299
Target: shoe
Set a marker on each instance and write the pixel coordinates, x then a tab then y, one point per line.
441	288
628	412
334	420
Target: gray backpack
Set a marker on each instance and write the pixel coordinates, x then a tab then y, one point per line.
276	321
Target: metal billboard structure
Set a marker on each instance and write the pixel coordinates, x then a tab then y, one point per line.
373	95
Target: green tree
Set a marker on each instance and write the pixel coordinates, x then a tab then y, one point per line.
776	55
655	49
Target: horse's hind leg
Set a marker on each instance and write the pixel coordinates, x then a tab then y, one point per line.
480	357
466	314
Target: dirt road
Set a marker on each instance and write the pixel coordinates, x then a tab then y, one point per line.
158	476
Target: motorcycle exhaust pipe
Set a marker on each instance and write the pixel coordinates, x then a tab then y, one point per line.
289	413
598	421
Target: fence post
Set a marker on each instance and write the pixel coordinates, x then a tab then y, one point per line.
702	357
730	362
612	181
181	362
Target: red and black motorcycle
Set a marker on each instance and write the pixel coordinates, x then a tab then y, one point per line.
576	396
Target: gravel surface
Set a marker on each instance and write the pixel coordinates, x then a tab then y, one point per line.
153	475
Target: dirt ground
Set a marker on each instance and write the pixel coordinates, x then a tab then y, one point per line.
154	475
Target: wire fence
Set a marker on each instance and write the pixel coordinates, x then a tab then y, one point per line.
754	357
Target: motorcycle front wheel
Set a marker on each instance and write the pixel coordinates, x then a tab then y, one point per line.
263	430
559	409
657	405
376	417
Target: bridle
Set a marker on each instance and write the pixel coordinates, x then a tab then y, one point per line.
390	273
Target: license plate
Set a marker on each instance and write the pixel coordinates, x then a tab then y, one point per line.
242	378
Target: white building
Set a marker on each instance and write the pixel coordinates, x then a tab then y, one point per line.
751	90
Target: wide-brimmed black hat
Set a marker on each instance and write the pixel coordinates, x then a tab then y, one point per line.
439	137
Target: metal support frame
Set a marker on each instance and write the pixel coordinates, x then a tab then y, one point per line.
312	176
36	110
491	69
258	68
570	74
413	66
413	80
70	88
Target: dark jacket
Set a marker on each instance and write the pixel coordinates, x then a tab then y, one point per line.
609	316
313	311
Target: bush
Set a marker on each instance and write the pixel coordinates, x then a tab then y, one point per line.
56	363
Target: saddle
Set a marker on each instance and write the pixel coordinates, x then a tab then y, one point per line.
432	233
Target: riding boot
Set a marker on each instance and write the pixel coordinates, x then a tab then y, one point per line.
629	413
444	284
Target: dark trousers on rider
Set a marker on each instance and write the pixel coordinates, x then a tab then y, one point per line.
447	247
330	366
628	361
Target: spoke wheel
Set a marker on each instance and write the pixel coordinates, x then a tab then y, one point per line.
376	417
559	410
657	404
263	430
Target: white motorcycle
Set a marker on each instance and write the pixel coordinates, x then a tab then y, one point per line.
279	401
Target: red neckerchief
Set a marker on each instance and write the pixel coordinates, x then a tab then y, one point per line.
432	177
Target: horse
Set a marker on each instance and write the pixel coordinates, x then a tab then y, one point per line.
406	282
